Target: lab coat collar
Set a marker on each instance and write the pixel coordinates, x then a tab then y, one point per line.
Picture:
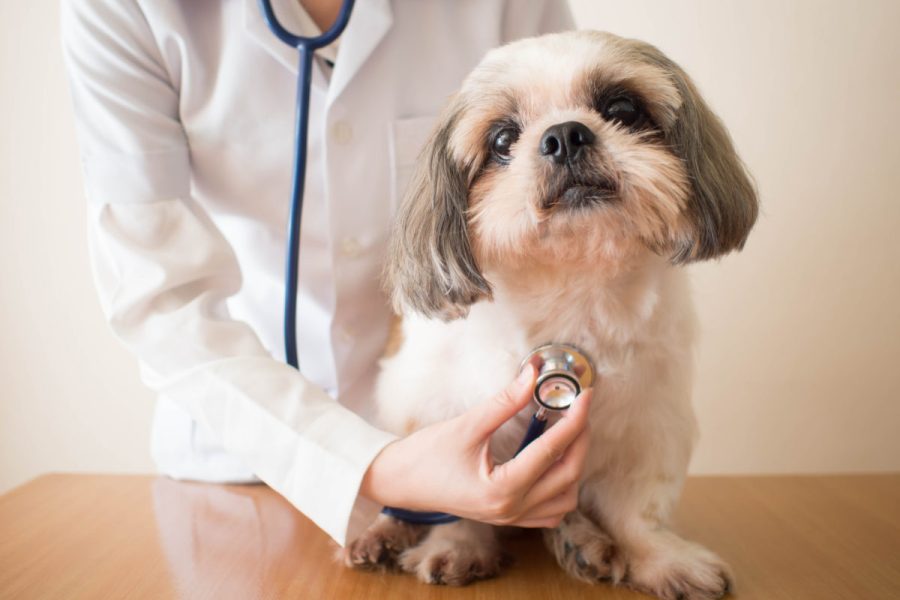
369	22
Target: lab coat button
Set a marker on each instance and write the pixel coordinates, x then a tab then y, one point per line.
342	132
351	247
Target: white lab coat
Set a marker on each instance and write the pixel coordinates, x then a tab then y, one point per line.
185	118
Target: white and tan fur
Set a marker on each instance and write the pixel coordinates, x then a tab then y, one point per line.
488	262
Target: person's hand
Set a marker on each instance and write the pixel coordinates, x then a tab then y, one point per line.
448	467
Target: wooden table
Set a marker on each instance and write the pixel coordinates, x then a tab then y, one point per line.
102	536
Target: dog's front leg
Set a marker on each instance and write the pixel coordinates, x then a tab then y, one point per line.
455	554
381	544
654	559
608	540
665	565
585	551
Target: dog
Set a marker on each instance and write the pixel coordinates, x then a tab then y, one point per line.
564	186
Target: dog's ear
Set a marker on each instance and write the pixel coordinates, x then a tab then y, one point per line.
723	204
431	268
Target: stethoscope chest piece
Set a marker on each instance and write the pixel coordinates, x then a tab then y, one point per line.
563	371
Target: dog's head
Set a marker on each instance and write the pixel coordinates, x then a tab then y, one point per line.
562	149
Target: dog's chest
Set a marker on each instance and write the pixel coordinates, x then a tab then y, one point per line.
445	368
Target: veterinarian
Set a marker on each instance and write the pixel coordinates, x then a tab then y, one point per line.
185	119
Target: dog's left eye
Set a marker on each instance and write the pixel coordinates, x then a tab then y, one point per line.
625	110
502	144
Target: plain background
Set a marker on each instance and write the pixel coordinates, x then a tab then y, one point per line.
801	332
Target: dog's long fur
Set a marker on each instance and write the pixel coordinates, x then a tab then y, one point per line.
491	259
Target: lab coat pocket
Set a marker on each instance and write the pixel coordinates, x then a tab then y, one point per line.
407	140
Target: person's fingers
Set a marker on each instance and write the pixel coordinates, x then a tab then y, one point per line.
555	507
563	474
530	464
490	415
536	361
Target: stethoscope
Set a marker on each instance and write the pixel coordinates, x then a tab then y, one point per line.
306	46
563	370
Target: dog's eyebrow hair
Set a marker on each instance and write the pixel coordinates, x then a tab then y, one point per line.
500	99
507	103
501	103
502	123
600	87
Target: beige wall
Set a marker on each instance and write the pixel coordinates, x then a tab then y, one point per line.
71	399
801	331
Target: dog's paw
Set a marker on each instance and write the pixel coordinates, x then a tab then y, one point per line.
451	563
380	545
455	554
681	571
584	551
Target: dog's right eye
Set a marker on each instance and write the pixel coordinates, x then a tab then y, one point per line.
502	144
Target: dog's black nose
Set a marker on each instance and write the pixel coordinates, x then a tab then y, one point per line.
563	142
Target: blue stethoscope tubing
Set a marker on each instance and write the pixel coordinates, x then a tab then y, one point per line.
305	46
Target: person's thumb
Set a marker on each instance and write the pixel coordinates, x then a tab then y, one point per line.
490	415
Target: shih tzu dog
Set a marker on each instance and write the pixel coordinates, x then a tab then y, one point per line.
565	184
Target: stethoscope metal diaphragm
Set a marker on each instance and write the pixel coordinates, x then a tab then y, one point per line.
563	372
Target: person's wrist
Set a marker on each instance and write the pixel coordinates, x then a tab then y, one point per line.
377	483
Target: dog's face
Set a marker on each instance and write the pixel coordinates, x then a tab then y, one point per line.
566	149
